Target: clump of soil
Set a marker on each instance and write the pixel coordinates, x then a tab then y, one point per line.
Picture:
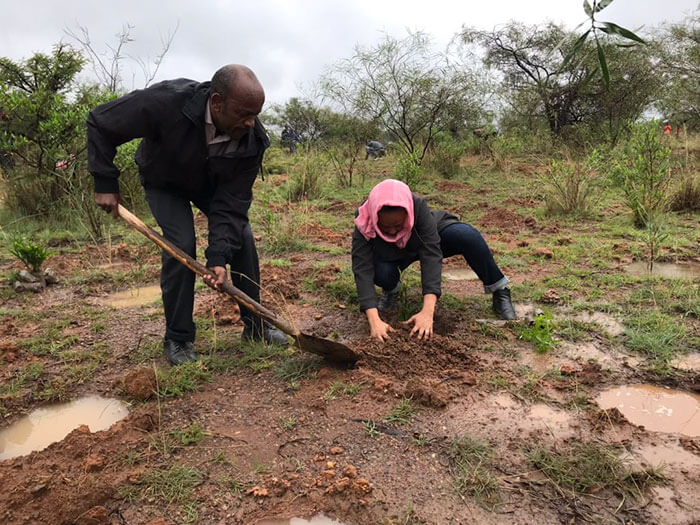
279	282
507	221
218	305
139	384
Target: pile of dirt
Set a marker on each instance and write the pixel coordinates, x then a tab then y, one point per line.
507	221
279	282
221	307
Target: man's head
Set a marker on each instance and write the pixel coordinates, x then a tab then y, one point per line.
236	99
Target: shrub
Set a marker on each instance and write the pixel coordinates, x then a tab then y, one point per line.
445	155
686	196
642	170
30	253
409	170
571	187
305	180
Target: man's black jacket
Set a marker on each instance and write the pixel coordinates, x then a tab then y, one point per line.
173	155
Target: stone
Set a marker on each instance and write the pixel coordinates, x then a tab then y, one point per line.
140	384
28	287
50	276
28	277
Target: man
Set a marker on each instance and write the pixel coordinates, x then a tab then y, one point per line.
374	149
203	144
289	139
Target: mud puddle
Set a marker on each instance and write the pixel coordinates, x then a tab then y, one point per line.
134	297
668	270
655	408
316	520
460	274
47	425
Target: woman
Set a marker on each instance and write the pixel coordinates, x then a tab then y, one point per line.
393	229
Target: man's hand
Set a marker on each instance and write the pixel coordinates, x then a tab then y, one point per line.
109	202
378	328
422	325
217	279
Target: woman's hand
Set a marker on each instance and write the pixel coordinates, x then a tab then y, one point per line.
423	320
217	279
422	325
378	328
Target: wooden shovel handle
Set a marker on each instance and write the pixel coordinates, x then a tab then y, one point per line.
241	298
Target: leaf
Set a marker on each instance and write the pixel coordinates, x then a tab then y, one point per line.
609	27
603	66
587	8
575	49
602	5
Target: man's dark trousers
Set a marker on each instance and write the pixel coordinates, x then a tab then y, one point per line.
173	213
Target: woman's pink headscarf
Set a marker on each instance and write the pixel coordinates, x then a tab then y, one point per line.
389	192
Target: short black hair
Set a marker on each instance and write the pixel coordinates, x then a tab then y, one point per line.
389	209
223	80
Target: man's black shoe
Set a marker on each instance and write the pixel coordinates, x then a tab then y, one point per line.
179	352
502	304
387	302
269	334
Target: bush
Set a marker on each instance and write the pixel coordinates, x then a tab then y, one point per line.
686	196
306	178
30	253
571	187
642	170
445	155
409	170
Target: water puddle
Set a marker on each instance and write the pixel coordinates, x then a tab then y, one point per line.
135	297
460	274
47	425
668	270
316	520
655	408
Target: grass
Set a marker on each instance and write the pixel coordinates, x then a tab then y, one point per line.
403	413
471	468
339	388
540	333
587	468
658	336
174	485
179	380
191	435
24	375
287	423
370	427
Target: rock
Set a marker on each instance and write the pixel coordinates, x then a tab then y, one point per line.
350	471
38	489
28	287
94	462
50	276
95	516
543	252
28	277
337	450
140	384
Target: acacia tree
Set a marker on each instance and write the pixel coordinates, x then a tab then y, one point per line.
405	86
679	63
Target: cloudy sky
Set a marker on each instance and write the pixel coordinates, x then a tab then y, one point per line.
287	43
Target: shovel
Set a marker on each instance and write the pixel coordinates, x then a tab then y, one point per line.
331	350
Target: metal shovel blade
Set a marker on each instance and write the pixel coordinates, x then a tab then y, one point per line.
331	350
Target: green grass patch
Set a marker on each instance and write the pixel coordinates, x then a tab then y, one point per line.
174	485
472	470
181	379
403	413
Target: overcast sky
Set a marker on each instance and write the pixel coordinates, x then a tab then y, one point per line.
287	43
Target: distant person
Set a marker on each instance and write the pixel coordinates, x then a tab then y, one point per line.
202	144
667	129
289	139
374	149
394	228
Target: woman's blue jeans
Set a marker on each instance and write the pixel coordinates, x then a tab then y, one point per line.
455	239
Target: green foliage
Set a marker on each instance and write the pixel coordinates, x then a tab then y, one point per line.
656	335
408	169
571	188
641	169
173	485
444	156
403	413
30	253
306	178
541	332
179	380
190	435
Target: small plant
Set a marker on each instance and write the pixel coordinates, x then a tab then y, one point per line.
340	388
642	170
409	170
403	413
30	253
233	485
287	423
173	485
686	196
260	468
305	179
190	435
444	156
571	187
371	428
541	332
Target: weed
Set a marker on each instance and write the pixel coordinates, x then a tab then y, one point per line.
470	464
371	428
173	485
233	485
147	351
498	381
656	335
340	388
403	413
571	187
287	423
190	435
409	170
30	372
220	458
294	370
585	468
260	468
540	333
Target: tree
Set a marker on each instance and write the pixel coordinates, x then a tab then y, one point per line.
546	81
679	66
405	86
308	120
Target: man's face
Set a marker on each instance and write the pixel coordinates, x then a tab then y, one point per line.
234	116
